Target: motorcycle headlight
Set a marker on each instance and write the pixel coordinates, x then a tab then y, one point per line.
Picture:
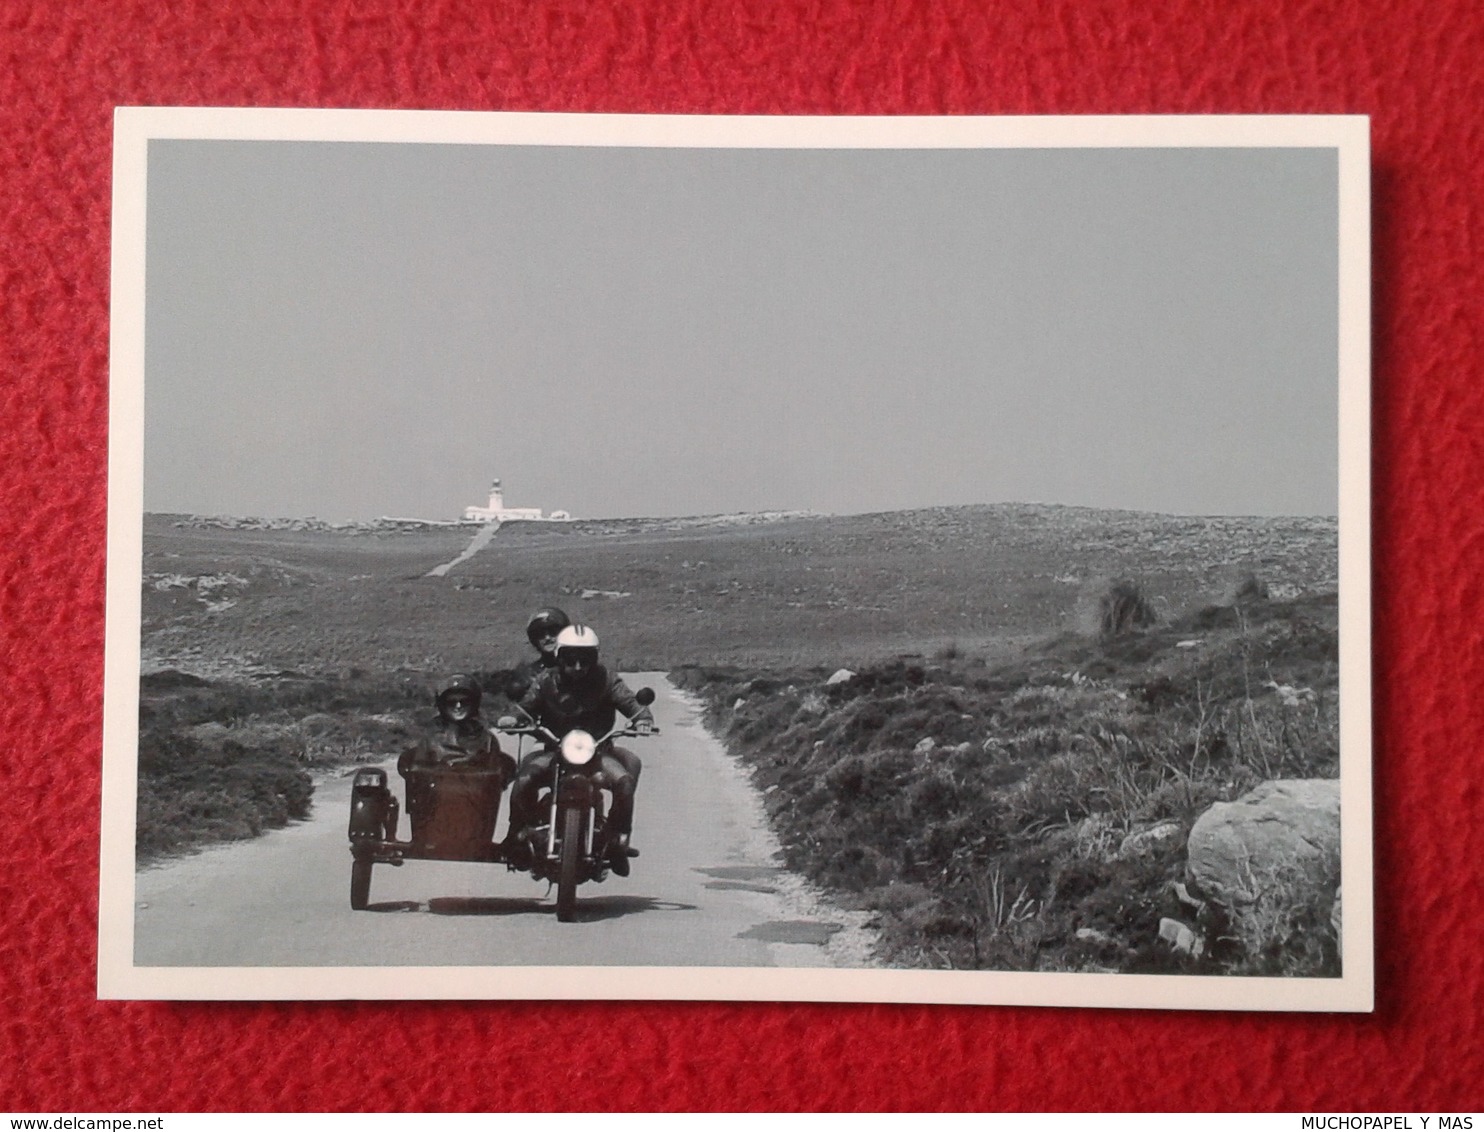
578	748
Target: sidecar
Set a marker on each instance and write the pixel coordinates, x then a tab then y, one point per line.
452	812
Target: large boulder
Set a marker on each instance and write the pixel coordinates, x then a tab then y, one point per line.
1269	864
1278	842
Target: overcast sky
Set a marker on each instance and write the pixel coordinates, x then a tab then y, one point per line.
351	330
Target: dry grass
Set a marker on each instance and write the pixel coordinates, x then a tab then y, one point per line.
222	760
793	591
1010	826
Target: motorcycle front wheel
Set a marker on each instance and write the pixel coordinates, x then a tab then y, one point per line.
571	856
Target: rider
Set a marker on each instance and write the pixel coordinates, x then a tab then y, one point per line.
580	693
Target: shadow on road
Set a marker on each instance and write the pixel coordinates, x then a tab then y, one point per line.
613	907
395	906
486	906
588	908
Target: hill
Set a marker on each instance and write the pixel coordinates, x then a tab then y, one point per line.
787	589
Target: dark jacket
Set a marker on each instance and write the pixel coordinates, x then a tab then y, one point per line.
531	672
592	706
447	744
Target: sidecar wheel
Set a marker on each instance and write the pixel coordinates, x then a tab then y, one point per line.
360	885
571	855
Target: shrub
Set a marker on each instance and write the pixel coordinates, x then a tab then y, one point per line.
1122	608
933	797
995	847
868	776
1244	586
223	760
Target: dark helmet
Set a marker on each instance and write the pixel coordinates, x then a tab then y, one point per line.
545	621
459	685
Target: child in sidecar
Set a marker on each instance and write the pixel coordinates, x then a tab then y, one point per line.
456	775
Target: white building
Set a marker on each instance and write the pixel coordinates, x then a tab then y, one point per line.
498	512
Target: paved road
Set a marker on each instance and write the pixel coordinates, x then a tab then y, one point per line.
707	890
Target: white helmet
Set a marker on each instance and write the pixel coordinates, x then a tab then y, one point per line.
576	653
577	637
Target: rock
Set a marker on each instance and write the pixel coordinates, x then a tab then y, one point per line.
1093	936
1280	840
1142	841
963	748
1183	895
924	745
1289	695
738	705
1093	837
813	704
1181	938
840	676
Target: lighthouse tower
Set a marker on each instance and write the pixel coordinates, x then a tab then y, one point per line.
498	512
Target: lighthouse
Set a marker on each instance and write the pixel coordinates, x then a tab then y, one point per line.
497	512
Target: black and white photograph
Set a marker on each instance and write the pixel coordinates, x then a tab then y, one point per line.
900	560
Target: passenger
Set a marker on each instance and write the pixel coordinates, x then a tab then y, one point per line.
458	738
542	630
580	693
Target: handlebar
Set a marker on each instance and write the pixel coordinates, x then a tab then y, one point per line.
632	730
626	730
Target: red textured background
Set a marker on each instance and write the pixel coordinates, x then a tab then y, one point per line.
1415	66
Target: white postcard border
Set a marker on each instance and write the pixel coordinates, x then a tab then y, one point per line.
119	978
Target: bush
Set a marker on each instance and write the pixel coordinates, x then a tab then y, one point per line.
1242	587
1043	765
1123	608
872	776
226	760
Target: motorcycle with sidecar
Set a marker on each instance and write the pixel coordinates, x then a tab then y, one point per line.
454	807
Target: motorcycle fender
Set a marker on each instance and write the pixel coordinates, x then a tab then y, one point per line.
368	812
575	790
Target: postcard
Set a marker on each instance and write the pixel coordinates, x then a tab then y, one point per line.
653	557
